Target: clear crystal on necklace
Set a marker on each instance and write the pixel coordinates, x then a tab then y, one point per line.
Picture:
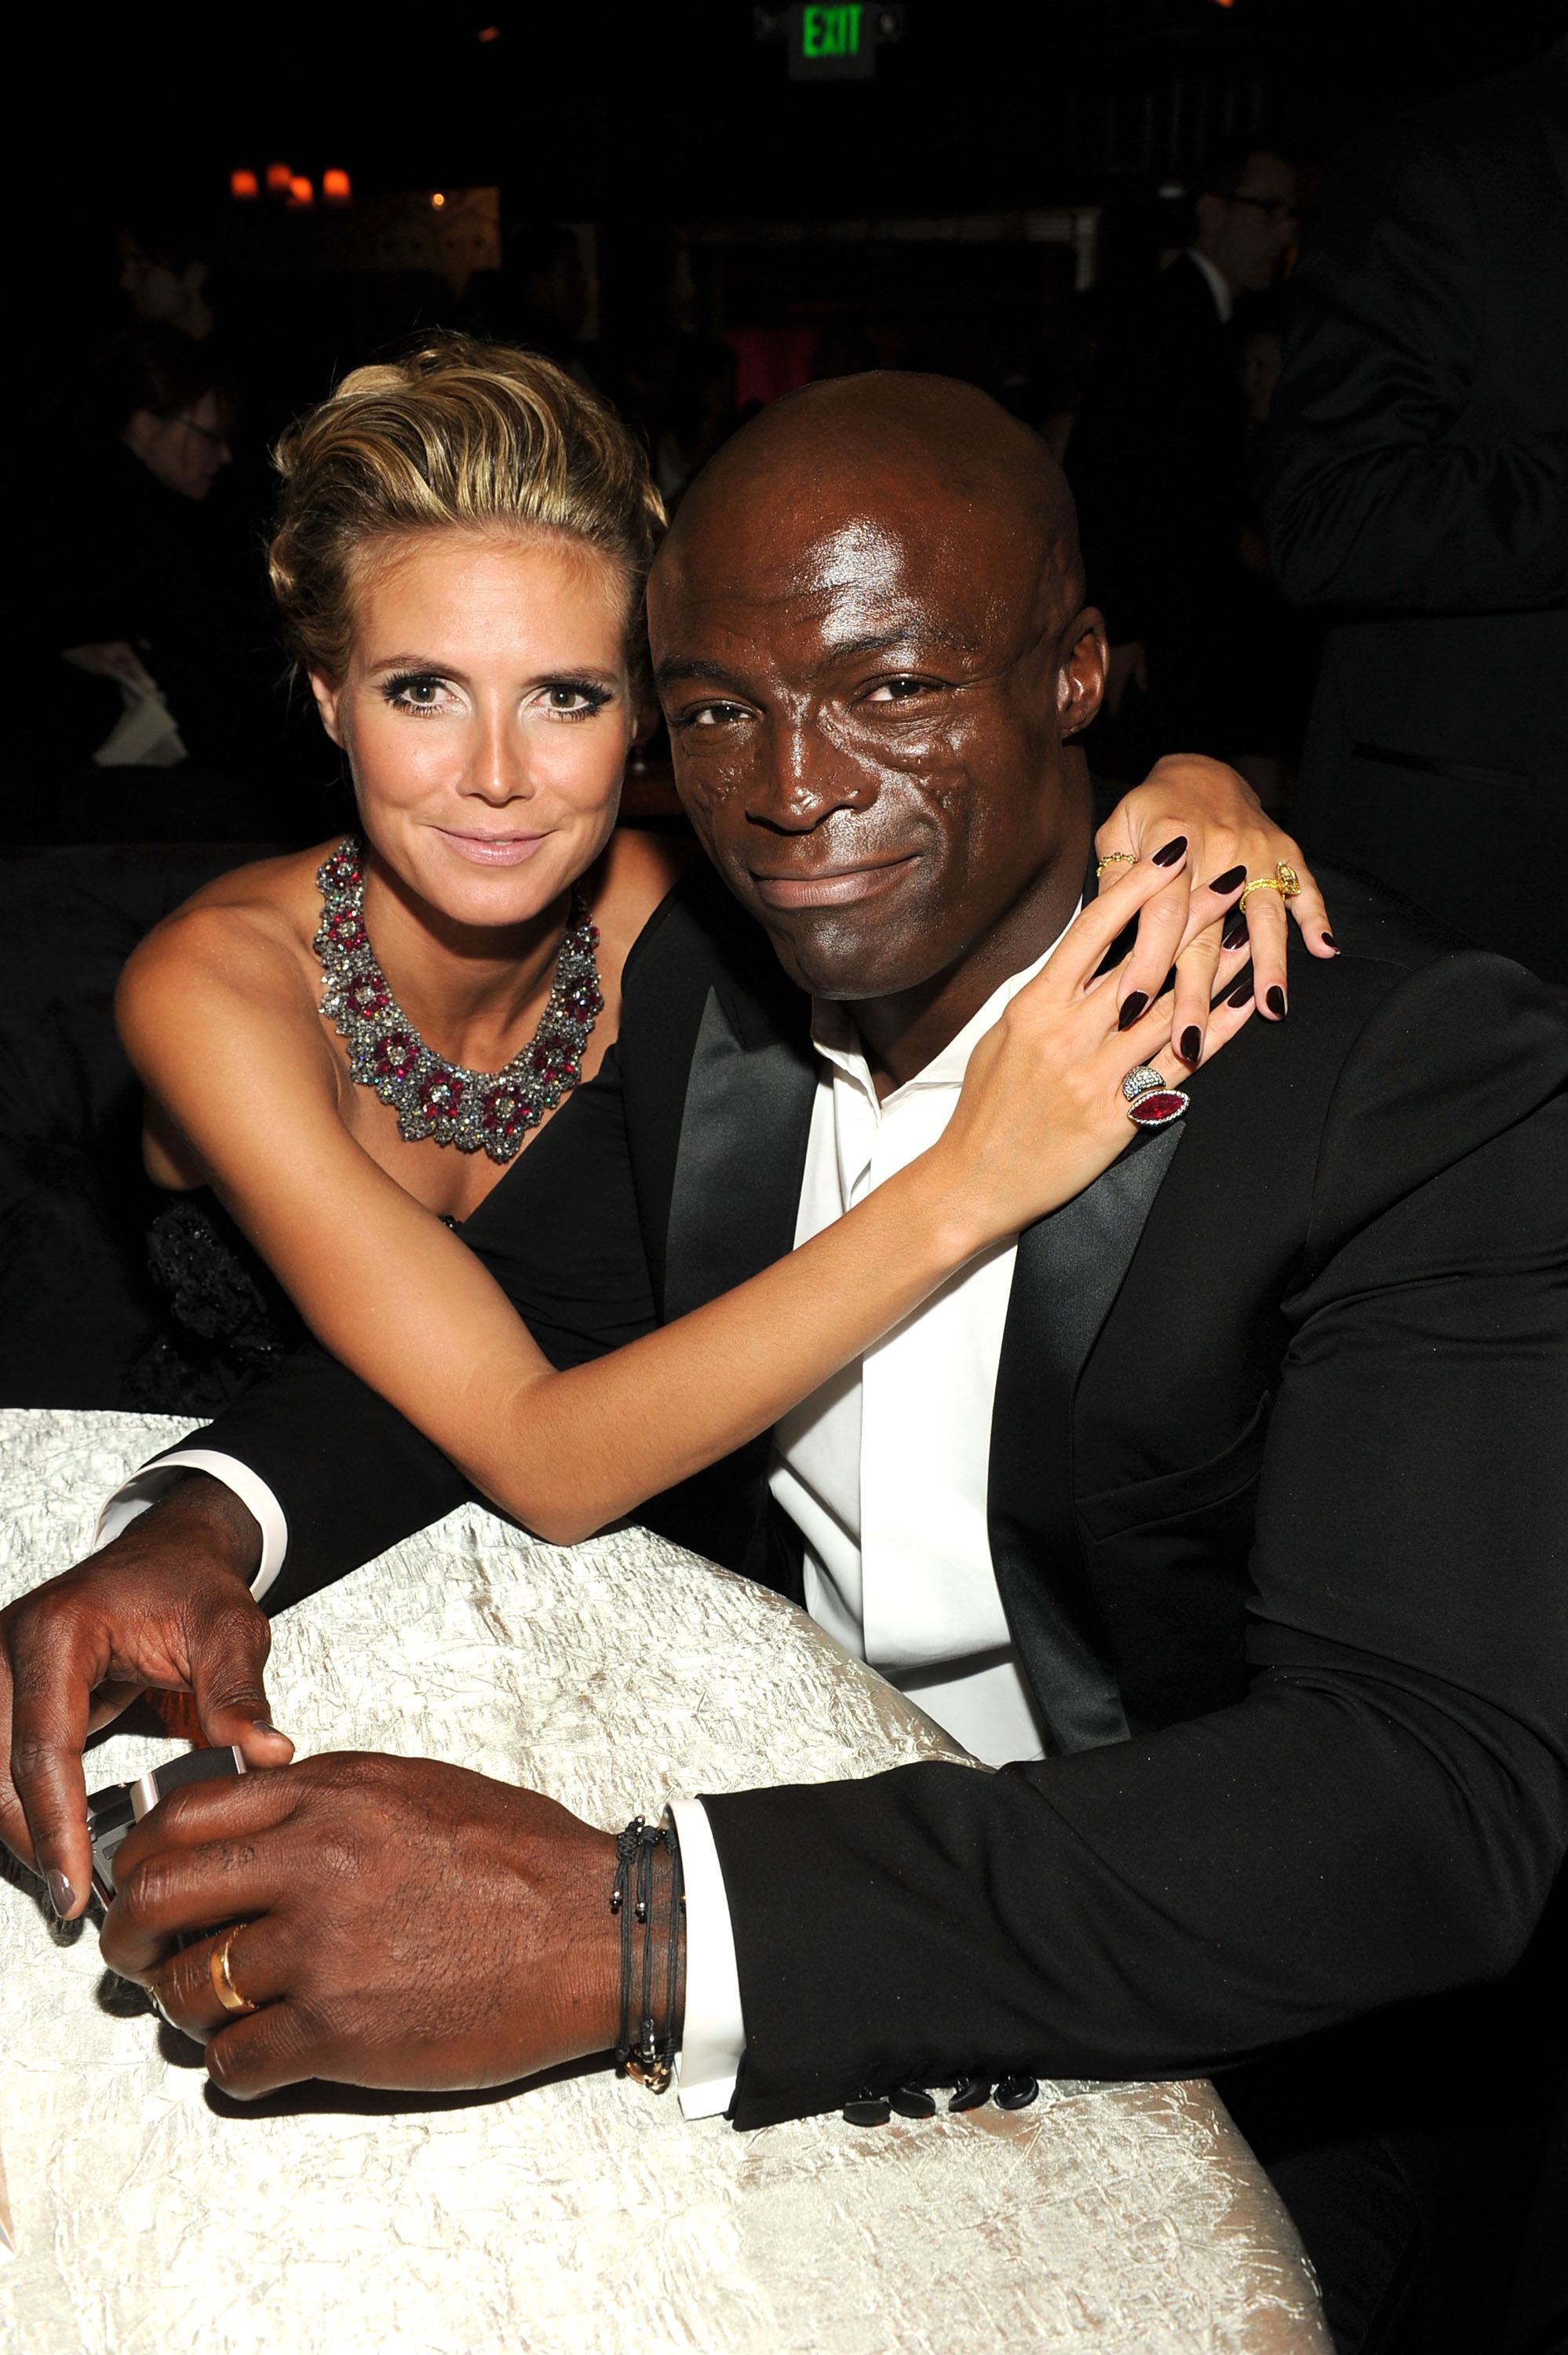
488	1111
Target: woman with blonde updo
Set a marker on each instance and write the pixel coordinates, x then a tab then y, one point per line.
350	1045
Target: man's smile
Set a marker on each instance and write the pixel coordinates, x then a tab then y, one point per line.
829	887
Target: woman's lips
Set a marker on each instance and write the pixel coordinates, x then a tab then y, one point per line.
492	850
838	888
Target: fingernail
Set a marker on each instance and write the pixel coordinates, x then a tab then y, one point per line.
1275	1001
1171	852
1330	943
1239	993
1229	880
1191	1043
1235	935
1132	1006
265	1725
62	1896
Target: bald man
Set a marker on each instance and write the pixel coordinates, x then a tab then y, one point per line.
1214	1510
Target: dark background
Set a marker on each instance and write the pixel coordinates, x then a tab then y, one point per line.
652	119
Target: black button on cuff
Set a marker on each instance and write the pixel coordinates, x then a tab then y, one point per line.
1017	2092
870	2111
970	2093
913	2102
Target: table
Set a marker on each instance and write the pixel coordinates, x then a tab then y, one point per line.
578	2214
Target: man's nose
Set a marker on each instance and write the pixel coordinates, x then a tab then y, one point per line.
803	777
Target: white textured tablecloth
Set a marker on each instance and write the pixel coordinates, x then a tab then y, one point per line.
580	2215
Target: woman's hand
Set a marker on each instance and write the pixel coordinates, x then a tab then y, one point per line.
1041	1112
1229	841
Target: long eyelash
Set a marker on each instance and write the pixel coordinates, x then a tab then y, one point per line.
595	696
393	689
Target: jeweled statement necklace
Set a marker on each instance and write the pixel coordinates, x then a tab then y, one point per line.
431	1097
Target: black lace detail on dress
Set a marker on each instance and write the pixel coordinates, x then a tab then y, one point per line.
230	1321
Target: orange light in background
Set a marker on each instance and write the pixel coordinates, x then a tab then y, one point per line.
279	179
244	184
493	32
301	193
336	188
438	200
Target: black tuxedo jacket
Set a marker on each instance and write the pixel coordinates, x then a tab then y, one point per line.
1276	1495
1420	486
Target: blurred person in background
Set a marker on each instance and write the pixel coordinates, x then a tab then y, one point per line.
162	657
1158	462
165	270
1418	492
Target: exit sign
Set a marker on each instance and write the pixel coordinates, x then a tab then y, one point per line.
831	40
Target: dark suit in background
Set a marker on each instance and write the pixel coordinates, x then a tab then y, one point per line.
1420	486
1156	462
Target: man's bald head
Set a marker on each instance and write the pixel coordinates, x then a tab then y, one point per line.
868	633
919	454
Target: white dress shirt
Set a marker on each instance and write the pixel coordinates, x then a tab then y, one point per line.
1219	286
884	1470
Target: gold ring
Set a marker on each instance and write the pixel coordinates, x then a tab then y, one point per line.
1284	880
1110	859
223	1986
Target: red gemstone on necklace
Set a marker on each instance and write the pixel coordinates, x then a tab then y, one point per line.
396	1054
345	930
441	1095
369	996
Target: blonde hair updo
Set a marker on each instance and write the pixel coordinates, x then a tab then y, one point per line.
465	433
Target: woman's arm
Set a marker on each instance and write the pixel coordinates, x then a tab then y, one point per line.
224	1034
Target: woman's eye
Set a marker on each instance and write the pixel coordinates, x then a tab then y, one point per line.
414	694
568	699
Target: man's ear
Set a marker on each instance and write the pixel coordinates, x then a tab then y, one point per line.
326	692
140	429
1081	679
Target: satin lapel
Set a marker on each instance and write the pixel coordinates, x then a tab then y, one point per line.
740	1161
1069	1270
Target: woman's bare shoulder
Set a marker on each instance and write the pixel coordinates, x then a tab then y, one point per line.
636	871
246	933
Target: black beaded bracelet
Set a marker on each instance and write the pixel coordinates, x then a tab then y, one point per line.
648	2056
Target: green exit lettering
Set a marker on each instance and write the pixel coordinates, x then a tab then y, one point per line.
831	32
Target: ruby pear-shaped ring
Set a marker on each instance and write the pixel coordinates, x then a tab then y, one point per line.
1149	1101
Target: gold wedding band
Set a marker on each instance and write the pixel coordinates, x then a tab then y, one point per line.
223	1986
1110	859
1284	880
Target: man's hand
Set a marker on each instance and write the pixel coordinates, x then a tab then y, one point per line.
168	1605
407	1924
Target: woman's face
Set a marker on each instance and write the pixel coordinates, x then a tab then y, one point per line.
486	712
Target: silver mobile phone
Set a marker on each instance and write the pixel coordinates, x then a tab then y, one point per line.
112	1811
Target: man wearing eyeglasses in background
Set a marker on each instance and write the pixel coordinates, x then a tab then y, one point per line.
1158	464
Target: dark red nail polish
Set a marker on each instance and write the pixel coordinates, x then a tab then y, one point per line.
1330	943
1275	1001
1191	1043
1132	1006
1229	880
1235	935
1171	852
1239	993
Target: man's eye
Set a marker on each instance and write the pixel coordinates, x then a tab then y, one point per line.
714	715
899	691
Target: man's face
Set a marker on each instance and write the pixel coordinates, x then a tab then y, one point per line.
867	689
1244	235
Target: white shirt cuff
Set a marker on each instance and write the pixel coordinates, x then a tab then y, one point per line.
144	1489
713	2038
